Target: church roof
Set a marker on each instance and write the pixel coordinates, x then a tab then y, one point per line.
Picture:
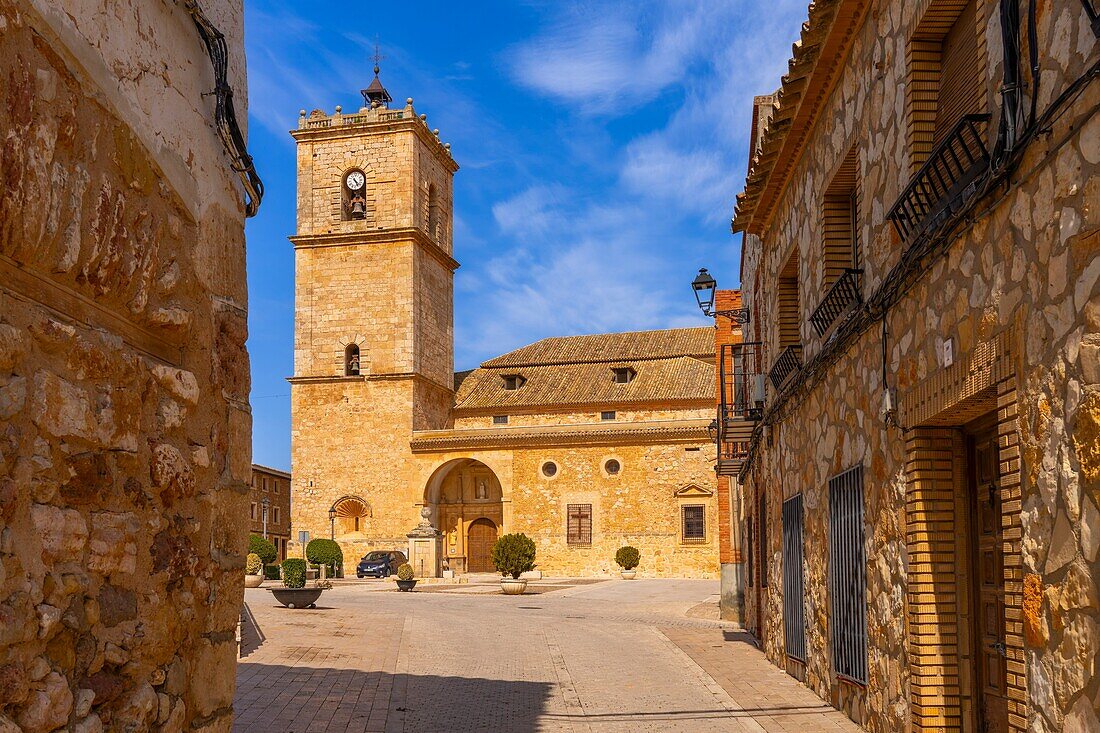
666	366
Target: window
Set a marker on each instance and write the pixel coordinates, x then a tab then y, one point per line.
840	221
275	519
434	213
847	575
351	360
946	74
514	381
252	511
607	415
549	469
612	467
579	524
789	306
794	620
263	482
693	523
500	419
275	485
623	375
762	535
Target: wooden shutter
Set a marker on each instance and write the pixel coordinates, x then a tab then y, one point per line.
840	214
959	82
579	524
762	531
788	304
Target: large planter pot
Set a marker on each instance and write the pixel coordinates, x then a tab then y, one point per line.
628	574
406	585
513	586
297	597
253	581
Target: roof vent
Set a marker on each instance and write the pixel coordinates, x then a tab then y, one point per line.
514	381
623	375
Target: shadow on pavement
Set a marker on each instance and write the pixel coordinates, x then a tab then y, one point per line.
296	699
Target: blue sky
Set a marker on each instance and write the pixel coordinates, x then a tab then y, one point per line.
601	145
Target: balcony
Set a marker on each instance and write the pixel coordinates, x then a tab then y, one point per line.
843	294
741	403
945	183
788	362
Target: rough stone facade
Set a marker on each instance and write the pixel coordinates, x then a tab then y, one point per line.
274	486
1014	294
124	421
381	439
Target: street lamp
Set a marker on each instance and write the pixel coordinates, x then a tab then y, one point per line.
712	430
266	503
704	286
332	522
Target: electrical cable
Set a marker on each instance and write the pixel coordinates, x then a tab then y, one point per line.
225	114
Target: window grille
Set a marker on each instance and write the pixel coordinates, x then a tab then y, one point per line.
749	545
500	419
762	533
694	523
794	596
579	524
847	575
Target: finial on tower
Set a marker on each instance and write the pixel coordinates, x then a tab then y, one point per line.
376	95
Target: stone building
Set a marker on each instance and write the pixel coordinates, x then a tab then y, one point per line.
921	259
125	431
269	506
583	443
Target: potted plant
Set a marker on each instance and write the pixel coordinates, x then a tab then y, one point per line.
253	571
513	555
295	594
406	579
628	558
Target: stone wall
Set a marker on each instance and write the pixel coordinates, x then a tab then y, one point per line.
1017	293
124	420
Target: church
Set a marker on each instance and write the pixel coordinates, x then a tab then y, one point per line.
583	443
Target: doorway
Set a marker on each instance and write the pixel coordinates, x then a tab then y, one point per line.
480	539
987	571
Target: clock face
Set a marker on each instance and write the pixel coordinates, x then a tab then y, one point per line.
355	180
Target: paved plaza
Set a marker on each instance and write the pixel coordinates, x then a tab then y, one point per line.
615	656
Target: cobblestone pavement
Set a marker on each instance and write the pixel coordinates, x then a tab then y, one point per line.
610	657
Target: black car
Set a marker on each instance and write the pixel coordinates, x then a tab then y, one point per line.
379	564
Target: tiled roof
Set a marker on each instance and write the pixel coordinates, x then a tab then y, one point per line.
815	65
656	432
671	366
607	347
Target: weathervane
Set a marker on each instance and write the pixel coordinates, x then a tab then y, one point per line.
376	95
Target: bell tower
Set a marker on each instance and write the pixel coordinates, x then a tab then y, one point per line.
374	273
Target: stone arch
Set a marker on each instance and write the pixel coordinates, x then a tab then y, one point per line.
351	342
460	493
352	513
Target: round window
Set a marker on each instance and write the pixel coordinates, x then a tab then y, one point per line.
612	467
549	469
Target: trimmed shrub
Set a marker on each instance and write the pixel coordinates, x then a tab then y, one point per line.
253	565
405	572
628	557
325	552
294	572
257	545
514	554
271	572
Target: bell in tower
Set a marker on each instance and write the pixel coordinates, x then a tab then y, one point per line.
376	95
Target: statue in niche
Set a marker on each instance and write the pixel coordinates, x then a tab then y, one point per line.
481	492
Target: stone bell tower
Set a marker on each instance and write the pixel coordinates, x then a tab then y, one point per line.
373	330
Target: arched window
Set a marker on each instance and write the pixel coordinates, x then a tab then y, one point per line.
351	361
433	212
355	201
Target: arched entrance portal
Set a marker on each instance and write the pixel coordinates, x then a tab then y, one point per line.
465	497
480	539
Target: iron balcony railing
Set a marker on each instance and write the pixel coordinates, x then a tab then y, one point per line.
788	362
945	183
841	296
741	403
